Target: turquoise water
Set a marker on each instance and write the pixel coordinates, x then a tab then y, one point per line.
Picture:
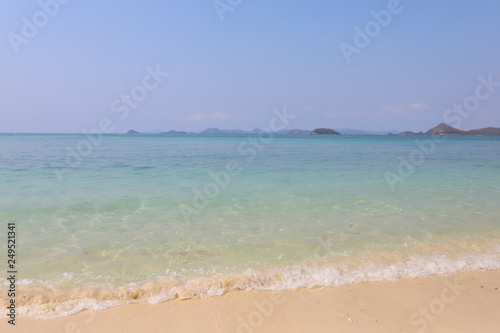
120	219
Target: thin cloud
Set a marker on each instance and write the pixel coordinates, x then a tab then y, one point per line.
213	116
393	108
418	106
397	109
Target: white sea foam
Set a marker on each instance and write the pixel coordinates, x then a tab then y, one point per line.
49	299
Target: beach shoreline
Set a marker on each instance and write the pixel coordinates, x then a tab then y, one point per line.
467	302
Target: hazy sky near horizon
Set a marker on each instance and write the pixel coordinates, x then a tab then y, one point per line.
73	67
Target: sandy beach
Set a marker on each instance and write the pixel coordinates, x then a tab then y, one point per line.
250	166
468	302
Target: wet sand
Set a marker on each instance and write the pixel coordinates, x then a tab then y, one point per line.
468	302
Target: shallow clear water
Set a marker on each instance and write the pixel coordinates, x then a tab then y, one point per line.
152	218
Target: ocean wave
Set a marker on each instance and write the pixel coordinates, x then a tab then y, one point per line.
70	293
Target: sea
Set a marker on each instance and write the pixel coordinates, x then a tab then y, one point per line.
107	220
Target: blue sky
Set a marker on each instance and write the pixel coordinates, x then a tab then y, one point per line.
232	73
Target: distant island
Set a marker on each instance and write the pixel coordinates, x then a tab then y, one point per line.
411	133
444	129
169	132
298	132
325	131
174	132
225	131
441	129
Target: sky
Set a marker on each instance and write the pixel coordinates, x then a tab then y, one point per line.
68	65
